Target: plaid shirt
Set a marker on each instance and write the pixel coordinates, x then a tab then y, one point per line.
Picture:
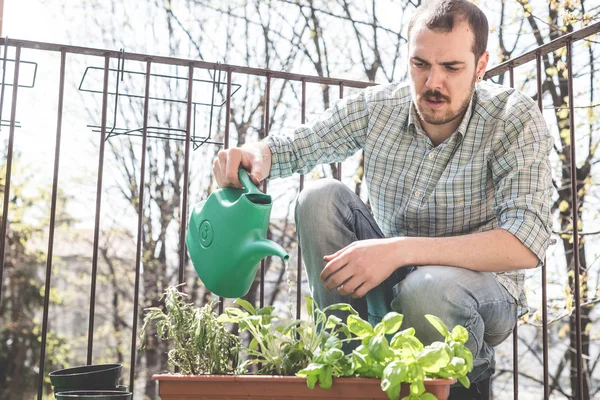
492	172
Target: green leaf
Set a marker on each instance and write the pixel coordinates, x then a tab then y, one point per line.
377	369
224	318
379	329
458	365
359	360
340	307
253	344
245	305
434	357
332	322
417	388
428	396
311	369
459	334
359	327
332	342
461	351
438	324
311	380
379	348
236	312
325	378
393	375
465	381
332	355
266	311
415	371
392	322
393	392
406	341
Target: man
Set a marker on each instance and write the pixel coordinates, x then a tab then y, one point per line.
459	182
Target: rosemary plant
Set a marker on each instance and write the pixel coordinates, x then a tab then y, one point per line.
200	343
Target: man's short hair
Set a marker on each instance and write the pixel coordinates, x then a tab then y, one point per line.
443	15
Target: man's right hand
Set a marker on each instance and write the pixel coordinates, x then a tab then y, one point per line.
254	157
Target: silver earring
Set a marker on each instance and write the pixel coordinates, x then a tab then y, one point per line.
479	78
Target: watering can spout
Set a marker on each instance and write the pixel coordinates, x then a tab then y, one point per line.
265	248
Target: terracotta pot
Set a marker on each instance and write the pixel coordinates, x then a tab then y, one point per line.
260	387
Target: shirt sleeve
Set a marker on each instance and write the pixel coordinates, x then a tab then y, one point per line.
334	136
523	179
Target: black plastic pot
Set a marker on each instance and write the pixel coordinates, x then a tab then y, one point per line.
87	377
93	395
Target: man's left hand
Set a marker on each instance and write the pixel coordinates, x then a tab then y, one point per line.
361	266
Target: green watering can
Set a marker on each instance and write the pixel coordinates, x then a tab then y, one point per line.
226	238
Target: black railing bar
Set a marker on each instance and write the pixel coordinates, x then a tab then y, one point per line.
545	344
265	182
300	188
61	91
228	108
186	62
97	216
139	241
116	106
339	169
226	144
186	177
9	156
544	49
511	74
2	89
575	217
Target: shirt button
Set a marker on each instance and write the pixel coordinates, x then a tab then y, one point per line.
417	193
411	225
431	155
461	203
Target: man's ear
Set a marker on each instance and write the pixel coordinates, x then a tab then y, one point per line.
482	64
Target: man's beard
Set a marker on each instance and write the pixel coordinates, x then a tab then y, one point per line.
434	95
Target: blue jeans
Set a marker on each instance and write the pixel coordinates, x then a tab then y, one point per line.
329	216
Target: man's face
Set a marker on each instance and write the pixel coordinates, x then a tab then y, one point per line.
443	73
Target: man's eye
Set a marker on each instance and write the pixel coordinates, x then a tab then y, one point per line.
449	68
418	64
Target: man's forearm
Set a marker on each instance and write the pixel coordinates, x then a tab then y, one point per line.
492	251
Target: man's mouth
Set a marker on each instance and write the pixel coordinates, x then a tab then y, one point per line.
434	102
434	99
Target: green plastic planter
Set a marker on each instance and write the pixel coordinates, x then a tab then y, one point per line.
87	377
93	395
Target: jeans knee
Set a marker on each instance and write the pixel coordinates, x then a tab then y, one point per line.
424	292
315	203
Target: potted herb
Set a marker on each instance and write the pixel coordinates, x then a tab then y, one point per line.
201	344
289	359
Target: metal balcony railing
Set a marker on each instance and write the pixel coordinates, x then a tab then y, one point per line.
537	55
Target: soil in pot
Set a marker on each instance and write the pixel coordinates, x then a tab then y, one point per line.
87	377
94	395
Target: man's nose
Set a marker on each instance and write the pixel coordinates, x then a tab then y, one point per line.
435	78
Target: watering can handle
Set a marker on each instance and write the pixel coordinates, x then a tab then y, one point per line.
247	182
